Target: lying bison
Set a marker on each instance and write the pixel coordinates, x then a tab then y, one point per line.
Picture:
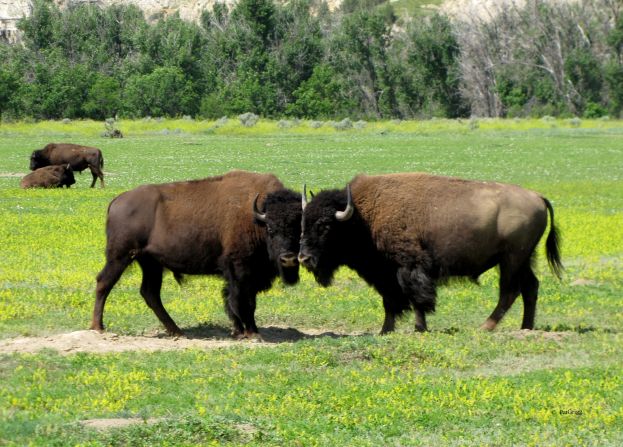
406	233
210	226
79	157
49	177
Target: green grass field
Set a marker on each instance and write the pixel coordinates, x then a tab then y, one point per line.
456	385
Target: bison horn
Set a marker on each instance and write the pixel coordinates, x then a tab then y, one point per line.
259	216
304	197
348	212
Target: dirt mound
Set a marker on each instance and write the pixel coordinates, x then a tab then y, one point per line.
198	338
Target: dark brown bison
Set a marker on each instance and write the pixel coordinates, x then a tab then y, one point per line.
405	233
79	157
49	177
203	227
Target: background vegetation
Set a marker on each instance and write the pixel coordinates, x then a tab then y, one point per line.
370	59
453	386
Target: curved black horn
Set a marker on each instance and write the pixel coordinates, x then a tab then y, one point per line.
350	209
304	197
259	216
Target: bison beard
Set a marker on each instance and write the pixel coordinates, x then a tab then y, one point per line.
406	233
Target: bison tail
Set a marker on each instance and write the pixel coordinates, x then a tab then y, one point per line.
552	243
101	162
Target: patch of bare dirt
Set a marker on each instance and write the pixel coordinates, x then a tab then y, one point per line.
12	174
524	334
105	424
196	338
583	282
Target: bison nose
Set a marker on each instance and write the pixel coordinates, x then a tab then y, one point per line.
288	259
305	259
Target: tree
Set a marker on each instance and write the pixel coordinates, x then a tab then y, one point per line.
164	92
39	29
321	96
359	52
432	58
104	98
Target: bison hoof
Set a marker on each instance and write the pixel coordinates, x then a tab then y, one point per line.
176	333
236	334
488	325
255	337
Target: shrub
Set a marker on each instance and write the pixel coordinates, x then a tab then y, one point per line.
345	124
248	119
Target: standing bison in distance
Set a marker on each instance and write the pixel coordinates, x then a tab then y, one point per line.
49	177
212	226
78	157
406	233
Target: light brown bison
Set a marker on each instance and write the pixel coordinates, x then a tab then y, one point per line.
204	227
49	177
406	233
79	157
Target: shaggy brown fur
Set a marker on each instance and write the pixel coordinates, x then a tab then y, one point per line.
77	156
204	227
49	177
411	231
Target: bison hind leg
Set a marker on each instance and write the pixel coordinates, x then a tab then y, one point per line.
529	294
150	291
106	280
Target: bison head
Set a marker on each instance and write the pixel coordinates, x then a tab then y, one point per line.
38	160
67	177
281	218
325	232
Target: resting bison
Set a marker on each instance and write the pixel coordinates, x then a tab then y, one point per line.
79	157
209	226
406	233
49	177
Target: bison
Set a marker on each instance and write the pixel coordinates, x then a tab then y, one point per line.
204	227
79	157
49	177
406	233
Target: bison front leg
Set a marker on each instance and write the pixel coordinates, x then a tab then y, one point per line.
395	302
240	307
420	320
422	292
237	326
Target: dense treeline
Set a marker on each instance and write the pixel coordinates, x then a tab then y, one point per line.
299	59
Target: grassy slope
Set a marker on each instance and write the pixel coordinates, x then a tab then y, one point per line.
453	385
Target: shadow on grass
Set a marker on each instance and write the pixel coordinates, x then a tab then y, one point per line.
271	334
581	329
